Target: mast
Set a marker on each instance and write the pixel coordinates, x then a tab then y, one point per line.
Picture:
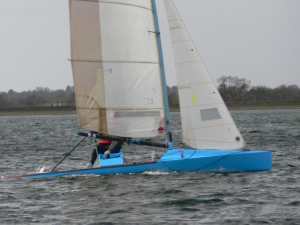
167	113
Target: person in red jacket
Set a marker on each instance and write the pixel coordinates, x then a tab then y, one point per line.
102	147
106	148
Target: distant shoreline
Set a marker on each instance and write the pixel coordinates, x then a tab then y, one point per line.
37	111
253	108
70	111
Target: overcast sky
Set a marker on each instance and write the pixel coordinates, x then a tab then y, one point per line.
254	39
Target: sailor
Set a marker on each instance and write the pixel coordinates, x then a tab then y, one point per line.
114	148
106	148
102	146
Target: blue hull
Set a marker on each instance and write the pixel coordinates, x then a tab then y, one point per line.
182	161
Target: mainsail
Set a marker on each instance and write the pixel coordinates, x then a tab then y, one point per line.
115	65
206	121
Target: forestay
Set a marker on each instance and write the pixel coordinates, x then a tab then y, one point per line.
206	121
116	67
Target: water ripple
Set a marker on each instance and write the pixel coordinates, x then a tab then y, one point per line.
28	144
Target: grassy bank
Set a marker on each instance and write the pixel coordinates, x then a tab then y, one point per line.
266	106
37	111
256	107
274	107
69	110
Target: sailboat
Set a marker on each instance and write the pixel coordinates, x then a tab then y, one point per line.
121	92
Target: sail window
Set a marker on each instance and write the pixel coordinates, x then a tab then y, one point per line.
210	114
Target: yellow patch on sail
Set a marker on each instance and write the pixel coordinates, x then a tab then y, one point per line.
195	100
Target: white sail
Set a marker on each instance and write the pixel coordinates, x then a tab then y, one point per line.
116	67
206	121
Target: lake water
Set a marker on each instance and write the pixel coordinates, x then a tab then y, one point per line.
28	143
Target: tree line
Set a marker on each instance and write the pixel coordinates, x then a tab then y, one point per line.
235	91
37	99
238	92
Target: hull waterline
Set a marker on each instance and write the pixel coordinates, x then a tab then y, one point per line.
181	161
